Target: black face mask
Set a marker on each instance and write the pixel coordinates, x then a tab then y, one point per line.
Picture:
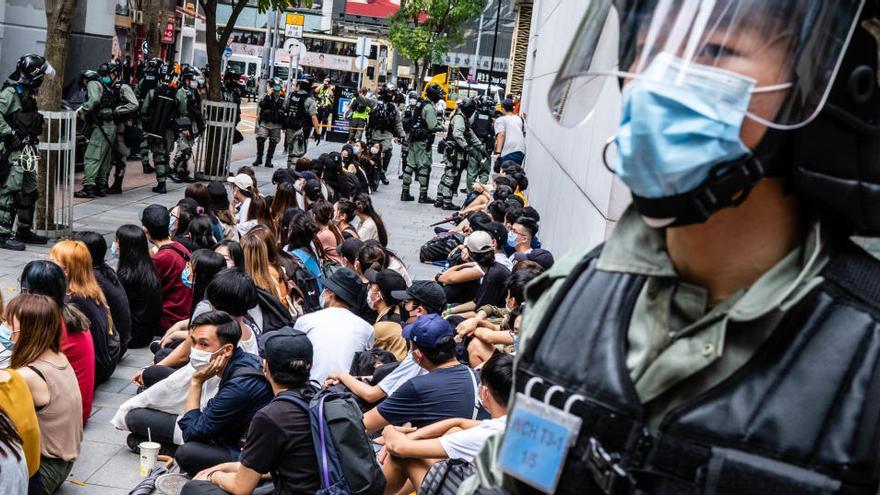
404	314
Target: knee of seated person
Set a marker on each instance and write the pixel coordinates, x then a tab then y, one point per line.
187	457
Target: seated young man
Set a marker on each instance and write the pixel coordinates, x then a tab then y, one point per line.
423	297
448	390
211	434
169	260
279	440
408	455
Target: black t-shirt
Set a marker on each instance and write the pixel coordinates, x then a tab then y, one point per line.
106	347
492	289
117	299
279	441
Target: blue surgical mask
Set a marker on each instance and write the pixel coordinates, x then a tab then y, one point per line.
679	120
186	276
6	337
511	239
321	300
172	224
114	249
277	88
105	80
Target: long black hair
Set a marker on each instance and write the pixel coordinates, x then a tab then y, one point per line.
9	438
235	252
201	232
365	206
135	268
205	264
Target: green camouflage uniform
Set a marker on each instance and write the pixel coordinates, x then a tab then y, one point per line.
161	148
18	196
297	141
479	163
128	103
464	142
386	137
183	151
419	158
102	139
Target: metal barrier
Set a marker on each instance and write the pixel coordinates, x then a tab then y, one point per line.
214	148
54	211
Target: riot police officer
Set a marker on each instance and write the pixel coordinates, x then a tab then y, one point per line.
20	127
100	114
385	126
161	107
480	165
189	126
125	115
722	340
420	139
460	143
231	92
407	113
300	118
150	80
270	118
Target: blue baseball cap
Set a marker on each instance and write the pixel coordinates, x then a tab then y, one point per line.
427	330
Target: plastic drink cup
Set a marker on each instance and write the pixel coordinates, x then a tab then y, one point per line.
149	452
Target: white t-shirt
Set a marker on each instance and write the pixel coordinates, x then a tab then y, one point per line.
242	213
514	138
466	444
336	335
406	370
501	259
367	230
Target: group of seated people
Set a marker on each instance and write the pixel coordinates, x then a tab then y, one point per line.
242	296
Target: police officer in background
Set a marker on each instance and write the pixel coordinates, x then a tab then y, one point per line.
231	92
100	114
385	127
125	114
189	126
360	108
300	118
407	115
479	165
162	106
421	138
149	81
324	99
270	118
20	127
460	143
726	338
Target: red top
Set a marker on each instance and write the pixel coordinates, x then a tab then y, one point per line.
80	351
170	261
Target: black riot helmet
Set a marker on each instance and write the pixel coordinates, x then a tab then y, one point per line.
109	69
434	93
276	82
304	84
166	72
189	73
231	78
86	76
388	91
467	106
31	69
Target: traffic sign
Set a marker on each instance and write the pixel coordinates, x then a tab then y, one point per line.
295	20
227	51
145	48
293	31
360	63
363	46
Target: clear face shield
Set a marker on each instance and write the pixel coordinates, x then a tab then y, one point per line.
788	52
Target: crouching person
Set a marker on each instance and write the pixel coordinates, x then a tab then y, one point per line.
409	454
279	440
213	435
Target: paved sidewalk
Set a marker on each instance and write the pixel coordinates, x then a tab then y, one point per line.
105	465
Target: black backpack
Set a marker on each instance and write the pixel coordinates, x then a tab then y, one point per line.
275	315
438	248
303	287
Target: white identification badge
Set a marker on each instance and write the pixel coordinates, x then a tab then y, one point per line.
537	440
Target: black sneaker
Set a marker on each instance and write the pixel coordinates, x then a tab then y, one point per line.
28	236
7	242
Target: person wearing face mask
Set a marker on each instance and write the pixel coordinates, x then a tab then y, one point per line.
160	109
270	117
408	454
126	138
143	288
460	143
110	285
99	110
687	343
449	389
520	235
420	139
360	108
387	327
189	126
336	332
300	118
423	297
385	128
169	261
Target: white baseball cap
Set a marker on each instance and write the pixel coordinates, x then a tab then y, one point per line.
241	181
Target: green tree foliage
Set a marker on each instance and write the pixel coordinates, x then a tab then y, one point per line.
423	30
216	38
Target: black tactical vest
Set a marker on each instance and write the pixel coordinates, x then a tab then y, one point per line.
109	98
297	117
483	125
271	109
802	416
162	111
26	121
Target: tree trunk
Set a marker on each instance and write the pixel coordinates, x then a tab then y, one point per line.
153	19
58	14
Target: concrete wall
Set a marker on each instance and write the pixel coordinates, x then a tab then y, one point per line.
579	200
23	30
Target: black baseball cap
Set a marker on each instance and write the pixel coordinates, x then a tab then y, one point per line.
350	248
388	281
497	230
425	292
539	256
284	346
346	284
